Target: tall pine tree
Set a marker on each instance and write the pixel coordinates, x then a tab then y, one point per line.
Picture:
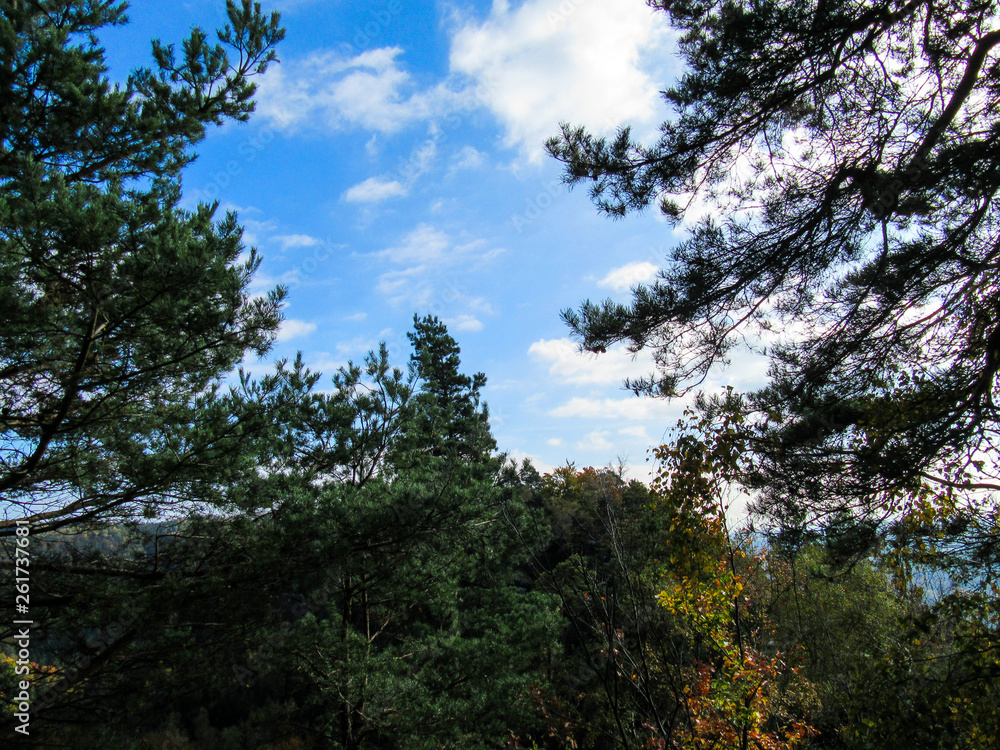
121	310
122	314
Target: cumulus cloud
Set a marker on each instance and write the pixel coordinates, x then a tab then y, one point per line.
625	277
549	61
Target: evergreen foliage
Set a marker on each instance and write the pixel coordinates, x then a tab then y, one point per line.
849	153
121	311
364	591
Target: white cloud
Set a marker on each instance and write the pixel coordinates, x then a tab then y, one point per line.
289	241
424	245
481	304
291	329
373	190
431	267
420	160
262	283
594	441
377	189
747	370
254	230
369	90
402	285
637	431
359	345
569	365
541	466
625	277
468	158
554	442
257	367
600	64
549	61
325	363
633	409
464	323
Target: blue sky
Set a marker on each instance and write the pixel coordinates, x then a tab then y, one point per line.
395	165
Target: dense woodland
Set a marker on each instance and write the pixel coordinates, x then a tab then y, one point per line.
218	561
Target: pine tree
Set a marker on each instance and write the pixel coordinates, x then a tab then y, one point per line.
123	313
447	412
850	153
425	639
121	310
